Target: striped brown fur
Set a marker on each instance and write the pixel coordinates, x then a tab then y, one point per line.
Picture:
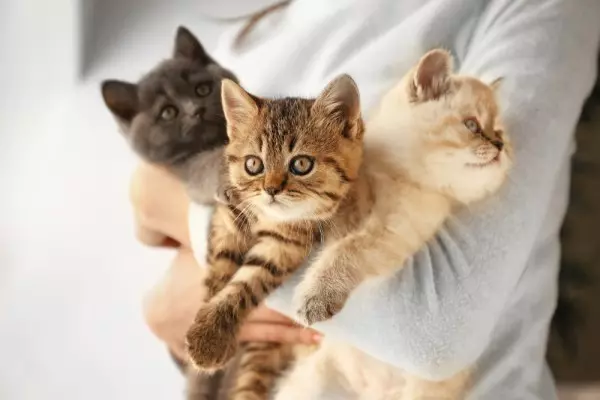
270	257
262	227
261	364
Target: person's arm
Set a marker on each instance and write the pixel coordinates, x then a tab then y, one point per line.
436	316
160	207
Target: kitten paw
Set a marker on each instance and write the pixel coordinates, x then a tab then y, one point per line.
320	303
211	290
211	340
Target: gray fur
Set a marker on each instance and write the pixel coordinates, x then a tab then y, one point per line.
190	144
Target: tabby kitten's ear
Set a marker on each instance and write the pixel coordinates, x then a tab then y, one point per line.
239	107
121	98
431	79
340	100
187	46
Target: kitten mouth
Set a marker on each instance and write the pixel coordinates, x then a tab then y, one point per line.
493	161
273	202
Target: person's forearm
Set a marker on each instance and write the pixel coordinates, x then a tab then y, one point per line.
160	206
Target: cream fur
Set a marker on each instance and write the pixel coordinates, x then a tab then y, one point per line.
420	162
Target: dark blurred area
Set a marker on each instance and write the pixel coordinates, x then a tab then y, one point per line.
574	348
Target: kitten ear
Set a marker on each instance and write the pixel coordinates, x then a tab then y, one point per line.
340	100
496	84
239	107
187	46
121	98
431	79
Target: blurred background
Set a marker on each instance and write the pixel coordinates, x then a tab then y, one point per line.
72	276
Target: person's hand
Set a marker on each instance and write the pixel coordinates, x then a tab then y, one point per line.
160	207
266	325
171	305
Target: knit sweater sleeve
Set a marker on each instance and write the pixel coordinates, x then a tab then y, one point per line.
436	315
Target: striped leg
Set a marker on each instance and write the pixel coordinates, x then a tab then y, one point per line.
260	366
277	253
228	242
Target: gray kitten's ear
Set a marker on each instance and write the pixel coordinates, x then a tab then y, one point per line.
340	100
239	106
121	98
431	78
187	46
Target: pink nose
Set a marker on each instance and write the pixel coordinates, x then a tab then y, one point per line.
498	144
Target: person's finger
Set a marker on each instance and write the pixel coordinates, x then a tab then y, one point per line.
170	242
148	236
259	332
265	314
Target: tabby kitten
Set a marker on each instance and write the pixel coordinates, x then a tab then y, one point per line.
173	116
436	142
291	163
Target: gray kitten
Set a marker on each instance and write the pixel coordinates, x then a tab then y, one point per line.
173	116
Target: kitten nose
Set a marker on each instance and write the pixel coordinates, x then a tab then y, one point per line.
498	144
272	190
199	112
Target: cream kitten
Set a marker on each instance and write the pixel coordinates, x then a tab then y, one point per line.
436	142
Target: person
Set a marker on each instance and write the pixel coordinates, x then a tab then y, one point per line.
484	290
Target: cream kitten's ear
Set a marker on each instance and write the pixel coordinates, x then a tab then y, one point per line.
339	100
495	85
432	76
239	106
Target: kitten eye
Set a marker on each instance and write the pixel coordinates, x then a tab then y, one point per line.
168	113
253	165
472	125
203	89
301	165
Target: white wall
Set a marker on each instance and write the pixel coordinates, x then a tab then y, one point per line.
72	277
39	48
